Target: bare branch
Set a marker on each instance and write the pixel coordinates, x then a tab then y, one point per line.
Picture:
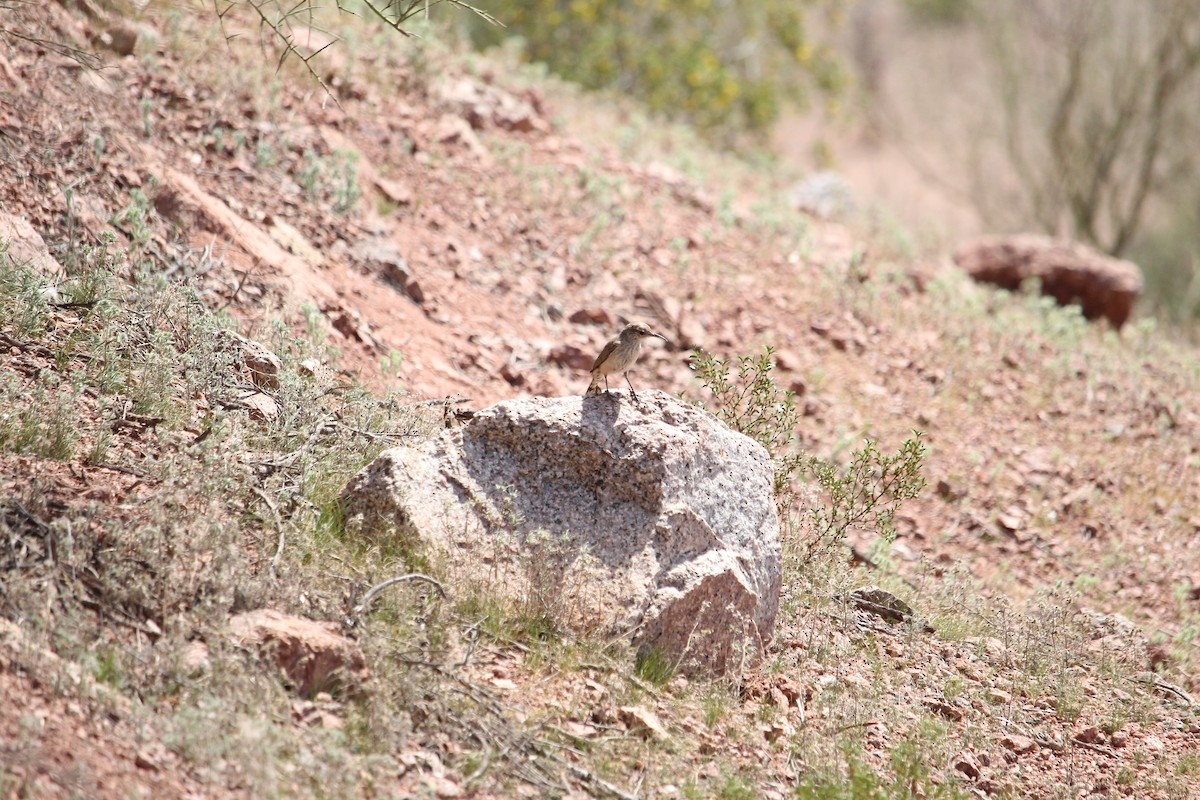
375	590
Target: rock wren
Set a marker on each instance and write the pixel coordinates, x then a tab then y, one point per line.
619	355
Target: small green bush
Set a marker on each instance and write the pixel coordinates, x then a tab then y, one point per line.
867	492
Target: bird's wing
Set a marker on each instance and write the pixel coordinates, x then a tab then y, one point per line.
605	353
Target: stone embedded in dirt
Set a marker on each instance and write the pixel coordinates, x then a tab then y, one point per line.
1012	522
643	721
263	364
650	519
883	603
683	189
940	706
846	333
261	406
787	360
595	315
1069	272
968	766
315	656
451	129
779	729
777	698
568	355
1018	744
122	39
395	191
145	759
351	324
486	104
26	246
791	690
998	697
384	257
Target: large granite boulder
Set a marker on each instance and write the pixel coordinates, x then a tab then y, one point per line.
650	518
1069	272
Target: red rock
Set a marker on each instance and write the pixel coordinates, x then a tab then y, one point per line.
791	690
120	38
1069	272
643	721
26	246
998	697
315	656
1018	744
568	355
594	315
263	364
261	406
787	360
940	706
396	191
512	374
967	765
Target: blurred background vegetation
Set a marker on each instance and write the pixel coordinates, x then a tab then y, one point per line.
1078	118
726	67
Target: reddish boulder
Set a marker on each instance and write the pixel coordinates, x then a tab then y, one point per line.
1069	272
314	655
568	355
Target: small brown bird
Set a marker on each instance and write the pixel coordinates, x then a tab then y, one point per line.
619	355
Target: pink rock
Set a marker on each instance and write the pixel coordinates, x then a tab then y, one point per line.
595	315
315	656
1069	272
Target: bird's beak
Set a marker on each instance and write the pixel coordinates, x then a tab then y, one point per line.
660	336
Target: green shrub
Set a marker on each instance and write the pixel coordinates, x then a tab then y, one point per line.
939	12
867	492
723	67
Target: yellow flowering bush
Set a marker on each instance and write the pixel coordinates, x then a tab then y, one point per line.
725	66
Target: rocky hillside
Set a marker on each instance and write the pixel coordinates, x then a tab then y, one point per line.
225	292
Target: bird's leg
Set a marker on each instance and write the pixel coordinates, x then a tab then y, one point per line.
631	391
606	384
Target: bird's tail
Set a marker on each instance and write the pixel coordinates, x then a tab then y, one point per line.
594	386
